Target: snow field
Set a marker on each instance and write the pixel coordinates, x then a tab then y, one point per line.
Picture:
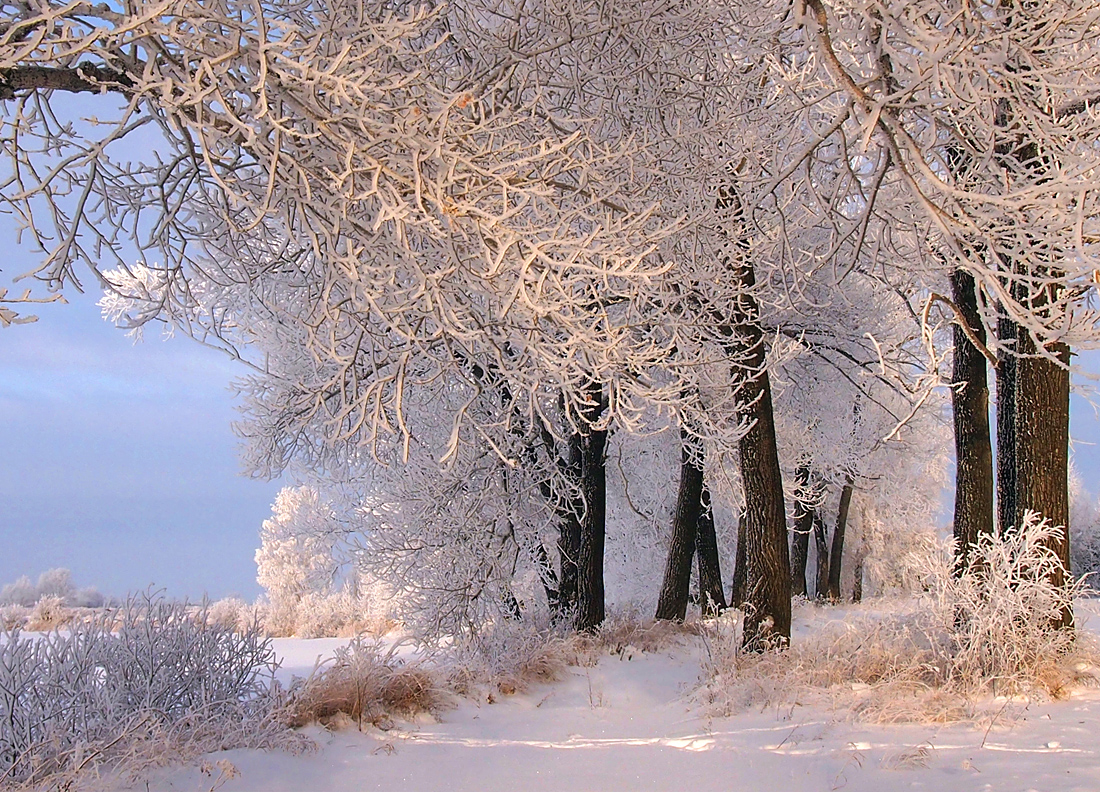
629	723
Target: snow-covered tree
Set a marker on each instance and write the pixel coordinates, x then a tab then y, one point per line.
300	547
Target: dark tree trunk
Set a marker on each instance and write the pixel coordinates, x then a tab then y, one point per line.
768	566
590	589
857	583
1007	510
570	515
836	555
740	572
970	409
673	600
1042	444
822	544
711	596
767	558
800	538
1040	392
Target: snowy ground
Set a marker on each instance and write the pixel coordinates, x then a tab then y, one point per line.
625	725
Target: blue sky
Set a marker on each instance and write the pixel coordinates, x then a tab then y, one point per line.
119	461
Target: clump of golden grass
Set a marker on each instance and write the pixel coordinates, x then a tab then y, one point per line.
987	633
364	684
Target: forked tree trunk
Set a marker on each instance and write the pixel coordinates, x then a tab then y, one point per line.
800	538
590	554
836	554
711	597
970	411
673	599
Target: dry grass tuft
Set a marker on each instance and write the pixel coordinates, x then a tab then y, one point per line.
970	639
366	685
629	630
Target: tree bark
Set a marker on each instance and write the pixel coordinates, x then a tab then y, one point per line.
740	573
768	566
1042	445
1007	510
836	555
821	585
767	559
673	599
800	538
711	596
570	515
970	412
590	554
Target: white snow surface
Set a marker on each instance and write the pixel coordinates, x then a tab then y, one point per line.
626	724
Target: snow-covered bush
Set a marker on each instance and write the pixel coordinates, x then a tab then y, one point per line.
13	616
989	631
143	686
56	583
342	614
230	613
48	613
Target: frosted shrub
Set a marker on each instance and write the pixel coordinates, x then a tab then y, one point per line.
48	613
230	613
140	687
997	616
510	656
1084	510
13	616
56	583
990	631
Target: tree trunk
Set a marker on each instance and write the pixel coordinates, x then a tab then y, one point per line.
570	515
767	558
836	555
673	599
1007	510
800	538
1042	445
821	542
970	410
740	572
711	596
590	589
857	583
768	566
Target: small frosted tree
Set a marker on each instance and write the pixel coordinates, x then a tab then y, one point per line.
299	547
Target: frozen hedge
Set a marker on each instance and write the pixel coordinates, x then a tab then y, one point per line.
139	686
